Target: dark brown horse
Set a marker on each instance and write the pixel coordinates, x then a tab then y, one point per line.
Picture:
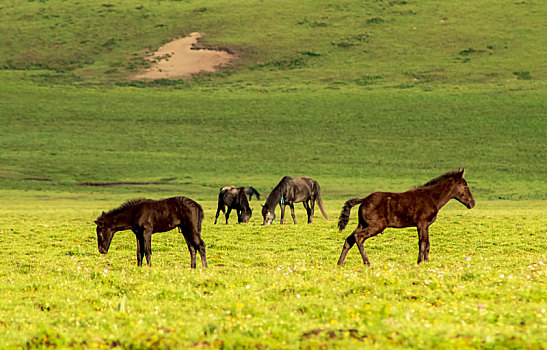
146	216
234	198
250	191
415	208
289	191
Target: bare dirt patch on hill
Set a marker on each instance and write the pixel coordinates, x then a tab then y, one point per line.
183	57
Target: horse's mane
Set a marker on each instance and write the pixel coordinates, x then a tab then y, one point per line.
276	193
128	203
443	177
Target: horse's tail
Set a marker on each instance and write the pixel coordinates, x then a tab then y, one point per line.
201	216
320	202
346	210
220	205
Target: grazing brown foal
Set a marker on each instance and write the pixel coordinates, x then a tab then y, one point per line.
415	208
145	217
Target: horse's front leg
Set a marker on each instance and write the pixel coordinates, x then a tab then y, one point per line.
147	235
423	243
292	213
140	247
228	214
282	207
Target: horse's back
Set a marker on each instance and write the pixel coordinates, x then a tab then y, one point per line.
166	214
227	188
227	195
305	187
396	209
188	204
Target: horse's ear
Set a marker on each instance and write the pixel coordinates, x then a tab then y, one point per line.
262	205
103	213
460	173
96	222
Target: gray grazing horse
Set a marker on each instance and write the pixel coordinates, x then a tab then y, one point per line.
293	190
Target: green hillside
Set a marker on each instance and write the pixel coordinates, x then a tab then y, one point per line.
360	95
397	43
195	142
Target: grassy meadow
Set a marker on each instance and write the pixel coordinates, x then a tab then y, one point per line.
276	286
360	95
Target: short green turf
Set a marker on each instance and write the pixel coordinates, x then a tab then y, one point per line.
276	286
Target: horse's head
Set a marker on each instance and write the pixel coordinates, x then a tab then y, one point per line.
104	234
268	215
461	191
245	216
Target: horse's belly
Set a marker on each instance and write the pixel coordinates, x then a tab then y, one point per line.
400	221
400	224
166	225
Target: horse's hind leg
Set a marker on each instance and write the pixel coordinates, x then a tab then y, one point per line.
199	245
308	211
194	242
216	215
360	244
228	214
202	253
292	213
192	251
350	241
369	231
191	248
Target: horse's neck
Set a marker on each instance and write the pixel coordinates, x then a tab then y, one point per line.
441	193
274	198
120	221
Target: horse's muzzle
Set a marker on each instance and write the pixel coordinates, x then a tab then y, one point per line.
471	204
102	250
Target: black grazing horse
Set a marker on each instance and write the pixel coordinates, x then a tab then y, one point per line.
146	216
234	198
293	190
417	207
250	191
